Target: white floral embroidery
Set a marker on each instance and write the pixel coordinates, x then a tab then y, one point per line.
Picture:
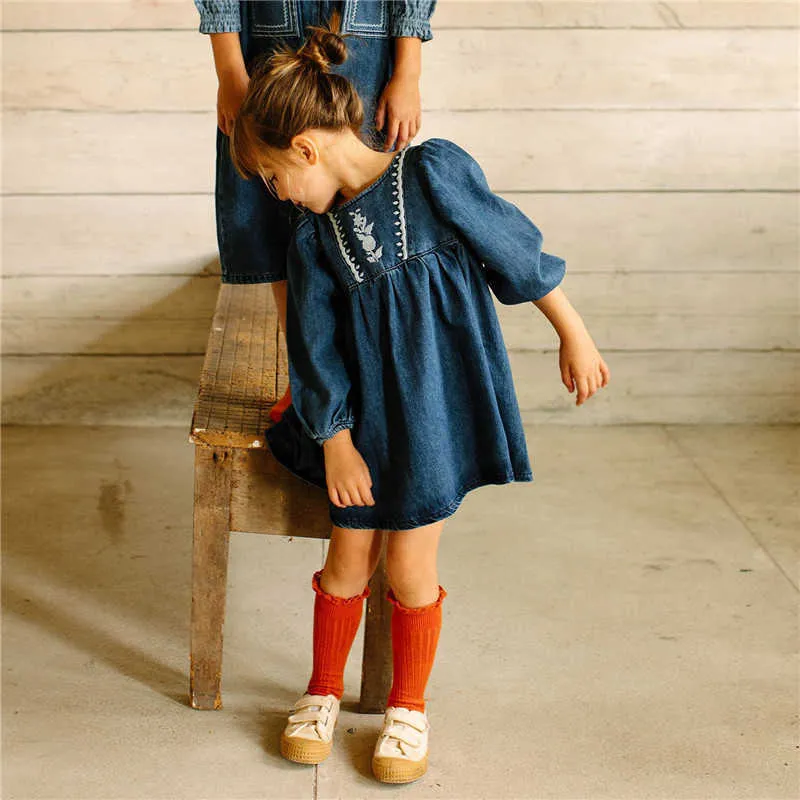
364	232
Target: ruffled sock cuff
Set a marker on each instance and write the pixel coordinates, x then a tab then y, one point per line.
315	585
423	609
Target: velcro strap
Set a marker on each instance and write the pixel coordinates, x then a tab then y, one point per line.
398	715
402	735
306	716
309	702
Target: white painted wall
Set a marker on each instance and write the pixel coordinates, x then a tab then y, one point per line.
654	144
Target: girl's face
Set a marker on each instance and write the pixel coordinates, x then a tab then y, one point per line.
300	176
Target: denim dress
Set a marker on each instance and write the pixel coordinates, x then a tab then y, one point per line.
392	332
253	227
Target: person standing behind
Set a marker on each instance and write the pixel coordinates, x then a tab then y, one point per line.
385	54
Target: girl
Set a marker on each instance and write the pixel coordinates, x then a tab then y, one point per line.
253	229
403	398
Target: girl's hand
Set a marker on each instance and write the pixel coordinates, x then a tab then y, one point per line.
581	365
346	472
231	92
400	105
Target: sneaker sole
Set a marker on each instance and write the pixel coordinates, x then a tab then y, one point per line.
398	770
304	751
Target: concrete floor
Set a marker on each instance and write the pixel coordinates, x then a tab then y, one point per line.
624	627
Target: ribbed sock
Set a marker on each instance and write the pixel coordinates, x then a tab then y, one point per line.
336	621
415	635
276	412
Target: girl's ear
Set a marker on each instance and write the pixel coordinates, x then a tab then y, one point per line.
305	148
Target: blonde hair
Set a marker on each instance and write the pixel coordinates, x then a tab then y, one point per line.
292	90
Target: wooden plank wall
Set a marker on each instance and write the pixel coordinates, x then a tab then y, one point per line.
654	143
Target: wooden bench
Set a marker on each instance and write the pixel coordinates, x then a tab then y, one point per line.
238	486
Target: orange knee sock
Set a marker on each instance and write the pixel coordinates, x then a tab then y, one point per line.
276	412
336	621
415	634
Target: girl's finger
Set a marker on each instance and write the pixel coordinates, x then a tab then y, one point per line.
344	495
606	373
582	389
566	379
355	496
334	498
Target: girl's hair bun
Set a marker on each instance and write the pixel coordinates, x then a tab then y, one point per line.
325	47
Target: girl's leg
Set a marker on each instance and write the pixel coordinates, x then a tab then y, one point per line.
416	598
340	589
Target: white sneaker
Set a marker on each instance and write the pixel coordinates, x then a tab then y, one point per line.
308	736
401	752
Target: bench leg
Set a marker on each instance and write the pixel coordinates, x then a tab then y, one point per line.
212	496
376	665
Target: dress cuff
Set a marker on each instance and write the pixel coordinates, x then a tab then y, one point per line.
335	428
411	26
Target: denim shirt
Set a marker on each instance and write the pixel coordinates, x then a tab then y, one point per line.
373	18
392	333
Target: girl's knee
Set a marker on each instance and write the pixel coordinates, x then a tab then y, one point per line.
350	562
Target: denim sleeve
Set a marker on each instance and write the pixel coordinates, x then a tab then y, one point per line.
219	16
504	240
411	18
315	317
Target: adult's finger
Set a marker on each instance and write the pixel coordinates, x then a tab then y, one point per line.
391	134
380	113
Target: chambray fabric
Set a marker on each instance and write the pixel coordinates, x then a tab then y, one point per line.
253	227
392	332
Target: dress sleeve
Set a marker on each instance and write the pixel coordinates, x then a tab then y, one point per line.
315	340
411	18
219	16
504	240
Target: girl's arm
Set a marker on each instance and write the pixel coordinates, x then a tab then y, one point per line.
509	247
581	365
318	371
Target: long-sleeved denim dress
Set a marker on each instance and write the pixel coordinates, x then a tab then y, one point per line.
392	332
253	227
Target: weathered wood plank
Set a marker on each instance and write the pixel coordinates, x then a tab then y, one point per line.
57	152
212	494
685	386
524	328
176	298
636	311
175	234
677	386
464	69
268	499
155	14
99	390
237	384
128	234
376	663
